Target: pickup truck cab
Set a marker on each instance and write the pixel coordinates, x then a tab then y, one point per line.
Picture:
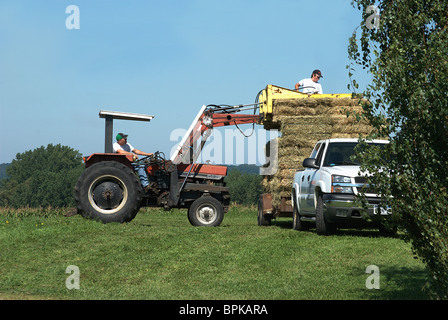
325	192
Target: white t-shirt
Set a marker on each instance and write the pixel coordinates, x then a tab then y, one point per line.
127	147
310	86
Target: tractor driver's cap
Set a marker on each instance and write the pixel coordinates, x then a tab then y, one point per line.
318	73
121	136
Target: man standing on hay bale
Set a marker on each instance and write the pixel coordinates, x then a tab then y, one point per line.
311	85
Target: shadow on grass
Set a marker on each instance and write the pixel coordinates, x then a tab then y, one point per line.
396	282
355	232
399	283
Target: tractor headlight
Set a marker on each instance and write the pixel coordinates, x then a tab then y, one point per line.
341	184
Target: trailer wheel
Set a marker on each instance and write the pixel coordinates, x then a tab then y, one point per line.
108	191
206	211
262	219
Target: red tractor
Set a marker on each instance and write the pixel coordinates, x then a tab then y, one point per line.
109	189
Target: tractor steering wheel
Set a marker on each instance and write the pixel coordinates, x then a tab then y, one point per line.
145	159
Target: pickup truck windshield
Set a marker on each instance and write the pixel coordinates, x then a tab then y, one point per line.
343	153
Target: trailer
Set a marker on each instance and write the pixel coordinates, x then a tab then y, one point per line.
301	119
267	211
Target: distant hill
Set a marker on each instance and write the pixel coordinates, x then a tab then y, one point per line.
245	168
3	167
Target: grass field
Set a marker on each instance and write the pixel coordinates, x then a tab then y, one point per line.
159	255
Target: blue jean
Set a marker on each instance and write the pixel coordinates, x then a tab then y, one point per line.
140	169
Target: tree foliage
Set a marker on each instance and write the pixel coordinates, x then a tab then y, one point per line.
407	56
245	188
42	177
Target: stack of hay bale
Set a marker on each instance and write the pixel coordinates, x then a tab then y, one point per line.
302	122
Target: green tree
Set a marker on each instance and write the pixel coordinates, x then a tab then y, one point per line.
407	55
245	188
42	177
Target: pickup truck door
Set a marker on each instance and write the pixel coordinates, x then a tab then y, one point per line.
305	189
307	185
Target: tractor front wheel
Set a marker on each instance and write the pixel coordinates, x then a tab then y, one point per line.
108	191
206	211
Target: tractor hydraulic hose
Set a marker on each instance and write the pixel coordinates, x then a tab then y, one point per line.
230	109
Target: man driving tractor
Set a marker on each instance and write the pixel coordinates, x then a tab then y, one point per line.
123	147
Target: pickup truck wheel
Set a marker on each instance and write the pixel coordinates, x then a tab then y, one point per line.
108	191
296	223
206	211
323	227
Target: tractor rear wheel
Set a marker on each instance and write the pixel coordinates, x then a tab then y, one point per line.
108	191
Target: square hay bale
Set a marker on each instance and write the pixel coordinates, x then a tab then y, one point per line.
303	122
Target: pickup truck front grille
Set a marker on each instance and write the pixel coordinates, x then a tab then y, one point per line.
360	179
365	188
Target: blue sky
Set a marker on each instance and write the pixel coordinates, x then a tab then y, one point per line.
163	58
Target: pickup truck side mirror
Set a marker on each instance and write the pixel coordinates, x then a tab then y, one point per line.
310	163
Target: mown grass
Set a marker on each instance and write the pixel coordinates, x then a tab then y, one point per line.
159	255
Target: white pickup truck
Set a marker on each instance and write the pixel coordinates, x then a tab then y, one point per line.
325	191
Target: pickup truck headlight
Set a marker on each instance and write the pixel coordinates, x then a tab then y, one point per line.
341	184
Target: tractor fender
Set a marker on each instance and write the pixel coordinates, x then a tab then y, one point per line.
100	157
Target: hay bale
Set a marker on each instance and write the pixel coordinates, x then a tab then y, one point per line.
303	122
